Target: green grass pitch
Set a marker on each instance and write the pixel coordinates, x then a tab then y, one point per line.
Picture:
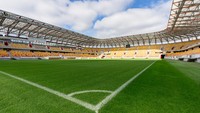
165	87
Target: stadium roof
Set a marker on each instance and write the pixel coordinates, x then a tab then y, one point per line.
183	25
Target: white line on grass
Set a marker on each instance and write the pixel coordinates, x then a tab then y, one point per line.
89	91
77	101
112	95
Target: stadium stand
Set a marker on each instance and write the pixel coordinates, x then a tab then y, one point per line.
187	51
1	44
172	51
3	53
178	41
20	46
39	47
56	48
15	53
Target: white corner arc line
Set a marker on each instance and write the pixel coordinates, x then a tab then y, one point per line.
89	91
77	101
112	95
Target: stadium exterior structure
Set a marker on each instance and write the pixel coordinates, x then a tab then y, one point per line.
183	25
22	37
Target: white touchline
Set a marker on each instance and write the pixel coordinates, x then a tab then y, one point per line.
112	95
77	101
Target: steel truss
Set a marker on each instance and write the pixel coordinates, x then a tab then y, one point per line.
183	25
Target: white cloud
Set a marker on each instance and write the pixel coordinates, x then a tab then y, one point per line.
82	14
134	21
49	11
79	15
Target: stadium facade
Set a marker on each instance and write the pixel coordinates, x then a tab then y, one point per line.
22	37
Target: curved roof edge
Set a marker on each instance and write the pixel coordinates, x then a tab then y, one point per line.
183	25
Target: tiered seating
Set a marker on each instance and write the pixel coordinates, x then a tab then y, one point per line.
21	53
1	44
55	48
179	46
69	54
88	55
67	49
130	53
56	54
194	51
186	48
154	53
42	54
94	50
182	53
19	46
3	53
78	55
77	50
118	53
134	52
39	47
141	52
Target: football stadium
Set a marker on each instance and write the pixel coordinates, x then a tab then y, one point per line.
49	69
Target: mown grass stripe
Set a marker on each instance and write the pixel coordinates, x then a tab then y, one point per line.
77	101
118	90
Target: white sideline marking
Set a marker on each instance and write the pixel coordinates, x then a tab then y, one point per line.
77	101
112	95
89	91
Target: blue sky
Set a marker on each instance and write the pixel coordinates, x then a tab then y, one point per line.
96	18
145	3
